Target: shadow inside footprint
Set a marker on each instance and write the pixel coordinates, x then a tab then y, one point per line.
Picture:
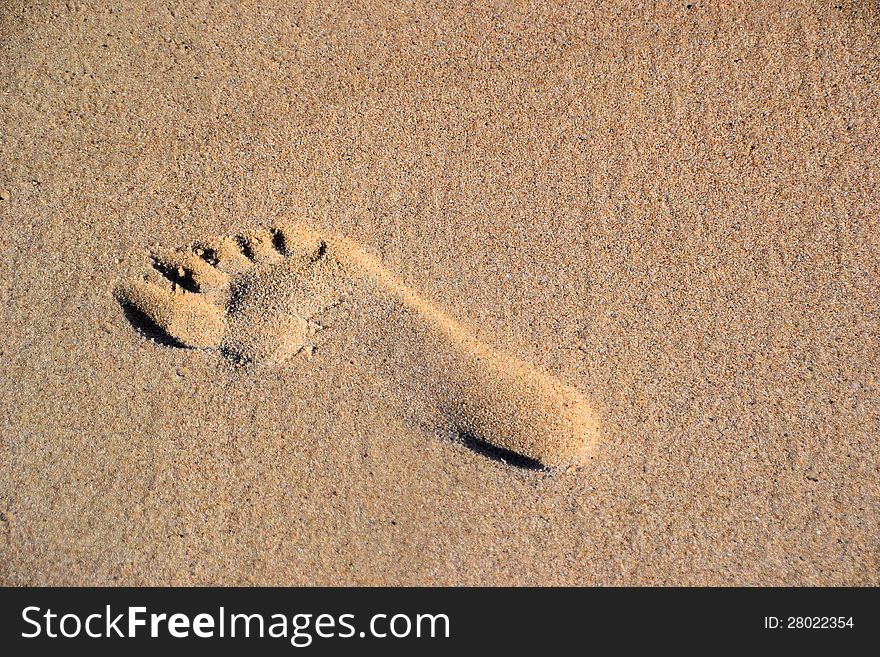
490	451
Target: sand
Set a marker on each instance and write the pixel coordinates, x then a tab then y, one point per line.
556	293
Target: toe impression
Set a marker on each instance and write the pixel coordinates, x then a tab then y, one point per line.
184	316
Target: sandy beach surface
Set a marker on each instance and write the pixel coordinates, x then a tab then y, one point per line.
439	293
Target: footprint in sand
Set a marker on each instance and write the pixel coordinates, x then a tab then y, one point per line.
256	298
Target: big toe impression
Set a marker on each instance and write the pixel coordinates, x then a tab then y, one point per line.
185	317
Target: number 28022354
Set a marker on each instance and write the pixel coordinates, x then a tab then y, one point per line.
808	622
